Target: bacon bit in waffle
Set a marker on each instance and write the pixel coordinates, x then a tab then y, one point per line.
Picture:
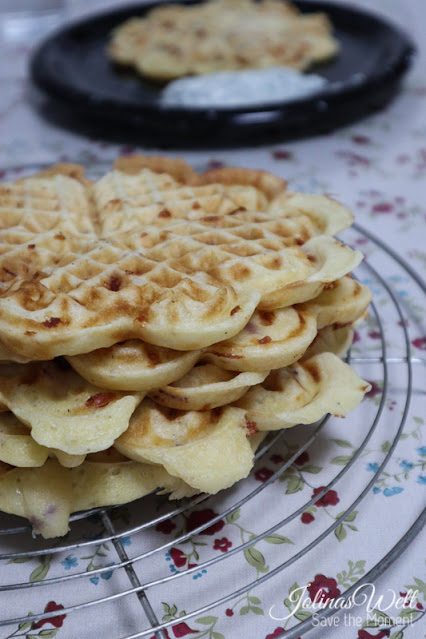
235	310
100	400
265	340
251	427
114	283
164	213
11	273
53	321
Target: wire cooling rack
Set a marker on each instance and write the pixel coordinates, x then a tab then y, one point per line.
18	545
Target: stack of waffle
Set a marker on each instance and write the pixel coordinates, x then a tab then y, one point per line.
156	324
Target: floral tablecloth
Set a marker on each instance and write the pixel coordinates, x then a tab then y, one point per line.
377	167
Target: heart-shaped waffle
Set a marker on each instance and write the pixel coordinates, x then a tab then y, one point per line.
71	283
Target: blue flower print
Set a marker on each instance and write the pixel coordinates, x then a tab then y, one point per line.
389	492
374	467
422	451
69	562
108	574
199	574
406	466
104	575
421	479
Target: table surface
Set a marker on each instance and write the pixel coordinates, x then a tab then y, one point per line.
377	167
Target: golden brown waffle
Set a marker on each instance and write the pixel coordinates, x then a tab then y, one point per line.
134	365
303	393
191	287
182	452
64	411
209	450
145	190
334	339
206	386
270	340
46	496
173	41
70	285
18	448
275	339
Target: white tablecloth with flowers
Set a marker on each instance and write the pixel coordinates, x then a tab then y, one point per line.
377	167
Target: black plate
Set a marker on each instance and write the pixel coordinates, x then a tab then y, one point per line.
72	67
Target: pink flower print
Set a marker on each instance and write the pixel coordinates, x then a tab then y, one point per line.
56	621
307	518
420	342
182	629
354	159
383	207
323	589
302	459
282	154
361	139
200	517
375	390
222	544
329	499
165	526
178	557
263	474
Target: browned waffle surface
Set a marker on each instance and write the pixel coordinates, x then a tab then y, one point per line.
159	254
